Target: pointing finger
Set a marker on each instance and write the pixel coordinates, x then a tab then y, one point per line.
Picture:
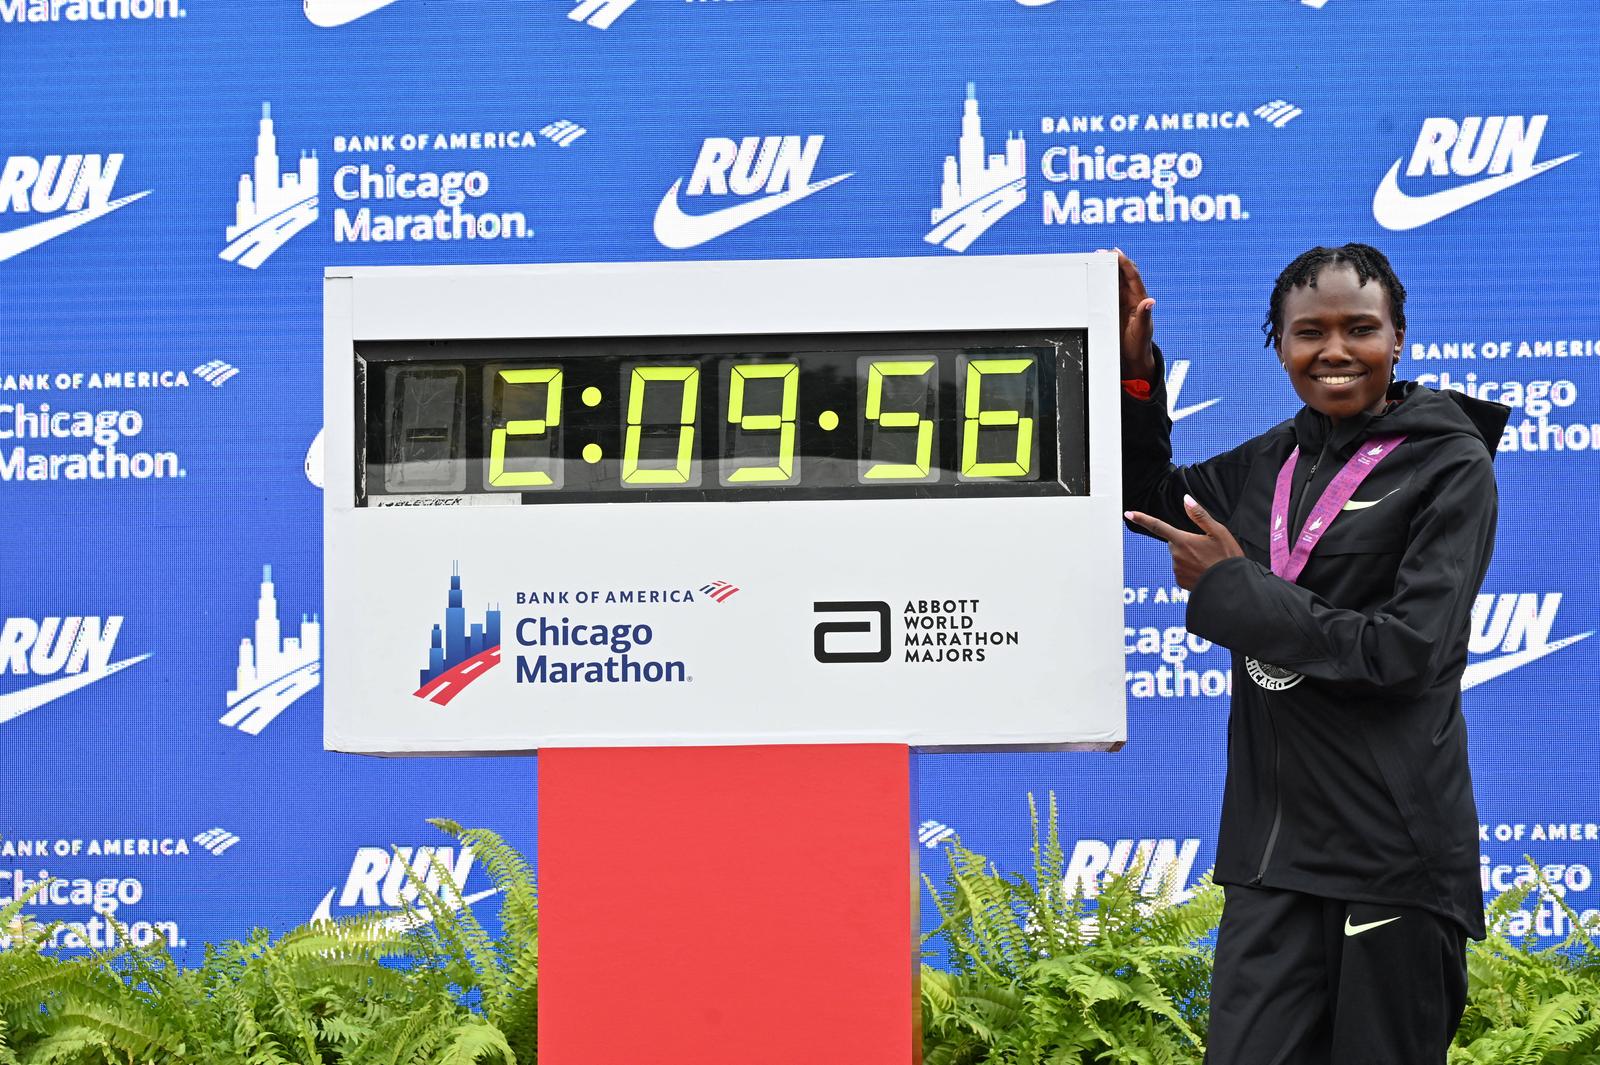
1154	526
1199	515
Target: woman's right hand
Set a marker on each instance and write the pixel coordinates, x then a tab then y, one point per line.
1134	305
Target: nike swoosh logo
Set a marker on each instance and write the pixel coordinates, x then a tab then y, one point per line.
15	704
1183	412
1363	504
1482	672
16	241
1357	929
328	13
677	230
404	919
1395	210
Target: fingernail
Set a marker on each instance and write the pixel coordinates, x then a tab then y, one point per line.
1127	515
1189	502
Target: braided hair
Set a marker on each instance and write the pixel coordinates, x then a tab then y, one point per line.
1368	262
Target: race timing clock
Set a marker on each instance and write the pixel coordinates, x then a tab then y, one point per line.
708	503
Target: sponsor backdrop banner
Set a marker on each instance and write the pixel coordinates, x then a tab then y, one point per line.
175	175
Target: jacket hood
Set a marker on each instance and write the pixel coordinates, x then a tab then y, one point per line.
1415	410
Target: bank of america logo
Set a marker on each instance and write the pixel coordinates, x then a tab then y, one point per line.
216	373
563	132
932	833
599	13
978	189
457	655
272	206
1278	112
274	670
721	591
216	840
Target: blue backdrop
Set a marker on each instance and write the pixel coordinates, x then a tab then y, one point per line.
177	174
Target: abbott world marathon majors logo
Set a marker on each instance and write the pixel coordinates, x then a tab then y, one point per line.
43	197
43	659
274	670
735	183
578	636
932	632
1089	174
1459	162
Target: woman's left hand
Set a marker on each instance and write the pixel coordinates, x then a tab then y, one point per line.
1192	553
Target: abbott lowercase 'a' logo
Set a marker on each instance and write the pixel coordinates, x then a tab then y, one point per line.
1495	153
458	655
742	181
978	189
72	190
272	206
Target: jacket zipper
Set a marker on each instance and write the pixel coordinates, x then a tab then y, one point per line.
1277	780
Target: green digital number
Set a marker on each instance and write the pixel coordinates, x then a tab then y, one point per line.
689	377
900	419
977	418
783	422
499	477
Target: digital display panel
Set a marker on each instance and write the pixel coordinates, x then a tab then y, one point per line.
939	415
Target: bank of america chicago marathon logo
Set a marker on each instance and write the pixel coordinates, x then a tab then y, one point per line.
275	204
43	197
1478	156
599	14
978	188
43	659
460	652
737	182
274	670
15	11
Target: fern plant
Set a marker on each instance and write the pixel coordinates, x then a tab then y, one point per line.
1039	975
378	988
1530	1004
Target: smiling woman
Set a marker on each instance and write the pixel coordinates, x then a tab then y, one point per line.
1348	844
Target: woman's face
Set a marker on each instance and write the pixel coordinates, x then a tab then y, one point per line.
1339	344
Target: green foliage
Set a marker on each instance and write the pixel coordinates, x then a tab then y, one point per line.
1035	976
1040	976
1527	1004
410	989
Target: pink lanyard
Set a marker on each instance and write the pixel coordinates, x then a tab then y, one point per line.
1288	563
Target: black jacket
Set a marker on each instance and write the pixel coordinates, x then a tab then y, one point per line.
1351	782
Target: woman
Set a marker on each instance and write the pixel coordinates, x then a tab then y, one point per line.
1337	555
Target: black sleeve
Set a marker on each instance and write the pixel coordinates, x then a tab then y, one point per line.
1152	484
1403	645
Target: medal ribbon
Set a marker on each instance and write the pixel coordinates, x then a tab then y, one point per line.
1288	562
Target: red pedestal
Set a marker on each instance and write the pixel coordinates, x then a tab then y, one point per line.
727	906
